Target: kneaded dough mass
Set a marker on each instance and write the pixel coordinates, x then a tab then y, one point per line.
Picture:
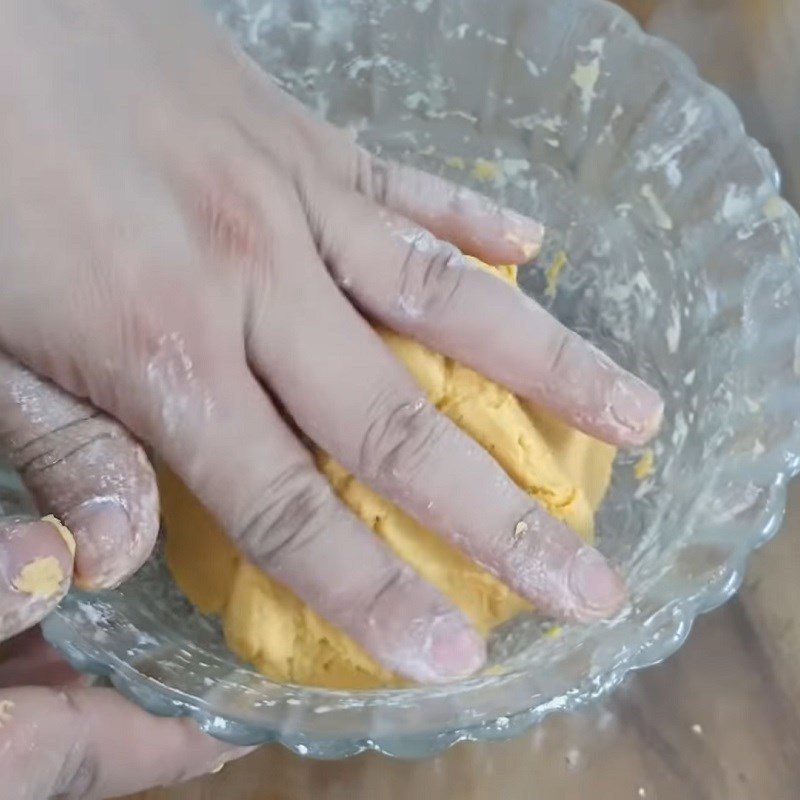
267	625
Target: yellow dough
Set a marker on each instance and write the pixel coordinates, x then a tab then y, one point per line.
265	624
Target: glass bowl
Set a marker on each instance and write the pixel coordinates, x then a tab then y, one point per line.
682	263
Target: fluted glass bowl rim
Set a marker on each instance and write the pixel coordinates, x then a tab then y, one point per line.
642	649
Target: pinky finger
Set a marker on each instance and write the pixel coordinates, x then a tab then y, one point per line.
473	222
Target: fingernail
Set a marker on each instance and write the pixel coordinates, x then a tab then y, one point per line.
457	650
212	767
228	756
102	530
524	233
637	407
598	588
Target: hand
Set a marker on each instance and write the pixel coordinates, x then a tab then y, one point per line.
58	736
184	246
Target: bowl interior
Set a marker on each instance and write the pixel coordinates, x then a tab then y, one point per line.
681	264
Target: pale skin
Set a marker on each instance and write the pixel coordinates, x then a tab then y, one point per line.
189	259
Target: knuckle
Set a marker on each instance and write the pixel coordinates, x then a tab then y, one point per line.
576	373
373	177
230	212
293	509
430	276
559	351
230	199
32	411
79	771
315	208
568	380
83	777
399	439
383	593
65	442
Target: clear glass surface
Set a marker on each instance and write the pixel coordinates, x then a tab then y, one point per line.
682	265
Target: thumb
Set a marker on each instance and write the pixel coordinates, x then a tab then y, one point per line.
92	743
85	468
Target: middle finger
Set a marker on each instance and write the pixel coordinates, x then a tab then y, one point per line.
424	287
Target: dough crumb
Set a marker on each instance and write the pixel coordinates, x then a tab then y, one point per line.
697	729
485	171
662	219
520	530
775	208
63	531
41	578
572	758
644	466
5	712
553	272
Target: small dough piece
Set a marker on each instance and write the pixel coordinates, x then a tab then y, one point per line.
643	468
63	531
267	625
201	557
42	577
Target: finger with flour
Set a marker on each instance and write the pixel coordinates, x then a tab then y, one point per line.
85	468
348	394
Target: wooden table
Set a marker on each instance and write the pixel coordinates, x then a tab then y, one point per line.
720	720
